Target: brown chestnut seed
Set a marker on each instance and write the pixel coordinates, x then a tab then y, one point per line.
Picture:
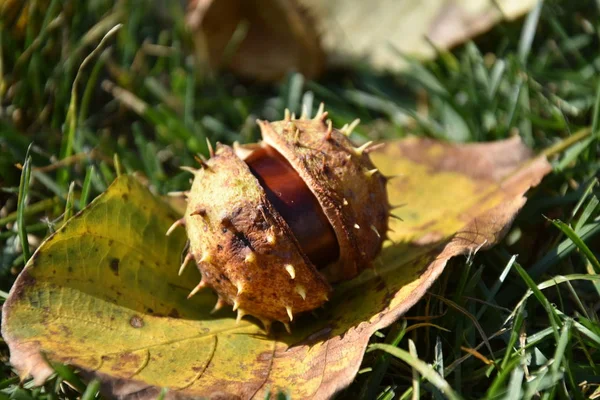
297	205
271	225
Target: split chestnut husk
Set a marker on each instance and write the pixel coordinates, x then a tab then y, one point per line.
272	225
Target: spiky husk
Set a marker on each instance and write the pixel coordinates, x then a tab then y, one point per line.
243	247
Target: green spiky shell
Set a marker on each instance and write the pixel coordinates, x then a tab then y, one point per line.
247	252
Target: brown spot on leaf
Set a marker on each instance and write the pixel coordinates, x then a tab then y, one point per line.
114	266
66	331
128	358
25	280
136	321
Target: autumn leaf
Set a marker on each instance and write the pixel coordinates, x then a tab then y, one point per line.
103	293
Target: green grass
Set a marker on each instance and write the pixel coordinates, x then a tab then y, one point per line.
518	321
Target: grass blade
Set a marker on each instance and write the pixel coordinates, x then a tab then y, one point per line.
412	349
570	233
554	320
70	202
421	367
528	32
69	138
91	391
85	190
21	205
371	386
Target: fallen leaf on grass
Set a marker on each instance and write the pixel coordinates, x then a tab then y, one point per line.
103	292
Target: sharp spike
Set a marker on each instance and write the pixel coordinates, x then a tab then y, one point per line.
202	161
391	207
347	129
220	304
211	151
371	172
287	327
200	158
297	136
304	114
289	312
179	222
198	287
191	170
320	111
390	177
240	287
236	146
250	258
358	151
178	194
220	149
396	217
356	226
186	260
329	130
293	116
374	147
206	258
240	315
271	239
286	115
376	231
236	305
290	269
242	151
301	291
267	324
345	202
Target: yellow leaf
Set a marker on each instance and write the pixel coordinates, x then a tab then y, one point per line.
103	293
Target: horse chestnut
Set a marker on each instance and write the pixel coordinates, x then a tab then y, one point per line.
272	224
